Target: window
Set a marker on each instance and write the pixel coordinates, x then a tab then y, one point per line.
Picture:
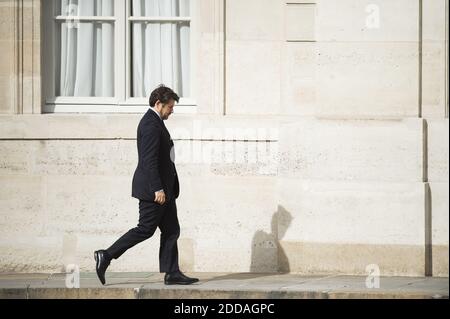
160	45
107	55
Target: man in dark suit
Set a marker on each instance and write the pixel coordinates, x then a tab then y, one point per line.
155	184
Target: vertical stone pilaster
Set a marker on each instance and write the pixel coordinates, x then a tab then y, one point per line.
7	52
434	59
446	57
20	68
29	65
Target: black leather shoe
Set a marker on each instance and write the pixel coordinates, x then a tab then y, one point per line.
178	278
102	261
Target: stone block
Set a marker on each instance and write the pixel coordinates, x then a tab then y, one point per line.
344	227
347	150
439	225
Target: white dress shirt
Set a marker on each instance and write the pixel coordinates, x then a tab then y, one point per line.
153	109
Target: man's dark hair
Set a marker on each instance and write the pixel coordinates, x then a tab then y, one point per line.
163	94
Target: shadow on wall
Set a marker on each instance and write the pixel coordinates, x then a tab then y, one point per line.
267	254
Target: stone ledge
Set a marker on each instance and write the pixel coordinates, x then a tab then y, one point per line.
221	286
123	126
181	126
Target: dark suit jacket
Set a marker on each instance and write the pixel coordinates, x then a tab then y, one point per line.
155	169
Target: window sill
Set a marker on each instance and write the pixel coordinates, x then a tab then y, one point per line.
110	105
67	108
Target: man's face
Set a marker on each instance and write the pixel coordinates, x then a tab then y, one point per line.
165	110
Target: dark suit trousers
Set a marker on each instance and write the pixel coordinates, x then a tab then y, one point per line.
152	215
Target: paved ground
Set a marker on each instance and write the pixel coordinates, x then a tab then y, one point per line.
219	285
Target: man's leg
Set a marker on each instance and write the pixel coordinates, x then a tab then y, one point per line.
150	214
170	231
168	251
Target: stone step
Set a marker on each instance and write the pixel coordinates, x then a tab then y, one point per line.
219	286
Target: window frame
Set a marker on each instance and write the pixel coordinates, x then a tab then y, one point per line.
122	101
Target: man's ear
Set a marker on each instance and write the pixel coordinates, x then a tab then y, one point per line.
158	104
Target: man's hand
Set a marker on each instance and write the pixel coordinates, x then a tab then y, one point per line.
160	197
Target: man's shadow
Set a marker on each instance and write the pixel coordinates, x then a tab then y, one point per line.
267	256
